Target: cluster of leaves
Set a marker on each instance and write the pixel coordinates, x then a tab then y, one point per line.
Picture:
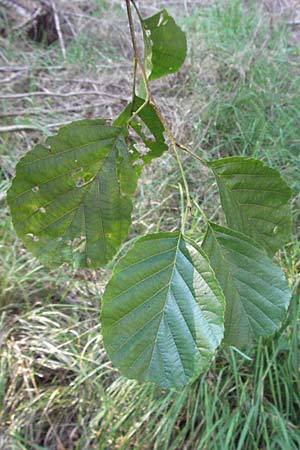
171	301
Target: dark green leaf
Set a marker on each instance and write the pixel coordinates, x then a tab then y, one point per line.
70	200
152	137
165	45
255	200
256	291
163	311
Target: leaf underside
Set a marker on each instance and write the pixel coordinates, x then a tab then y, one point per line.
165	45
70	199
163	311
255	200
257	294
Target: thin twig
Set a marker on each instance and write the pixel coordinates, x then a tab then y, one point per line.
194	155
13	68
28	21
134	83
149	95
35	112
58	29
55	94
150	100
70	25
13	128
9	79
137	61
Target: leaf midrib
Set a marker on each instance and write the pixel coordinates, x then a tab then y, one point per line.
163	309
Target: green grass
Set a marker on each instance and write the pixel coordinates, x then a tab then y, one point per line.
65	377
248	88
236	95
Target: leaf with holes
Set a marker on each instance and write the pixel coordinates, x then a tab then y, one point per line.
255	200
163	311
257	294
71	199
152	137
165	45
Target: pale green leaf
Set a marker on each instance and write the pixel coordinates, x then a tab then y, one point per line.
163	311
70	199
165	45
255	200
257	294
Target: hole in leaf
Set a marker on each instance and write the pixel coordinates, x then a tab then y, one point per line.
160	20
138	162
79	182
79	244
141	148
33	237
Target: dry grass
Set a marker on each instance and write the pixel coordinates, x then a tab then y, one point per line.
57	388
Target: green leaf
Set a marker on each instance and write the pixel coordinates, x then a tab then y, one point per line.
165	45
255	200
163	311
257	294
154	140
71	198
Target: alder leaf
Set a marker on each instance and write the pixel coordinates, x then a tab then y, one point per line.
255	200
256	291
165	45
153	137
163	311
71	198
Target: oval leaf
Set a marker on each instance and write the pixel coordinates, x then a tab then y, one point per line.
256	291
255	200
165	45
70	200
163	311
